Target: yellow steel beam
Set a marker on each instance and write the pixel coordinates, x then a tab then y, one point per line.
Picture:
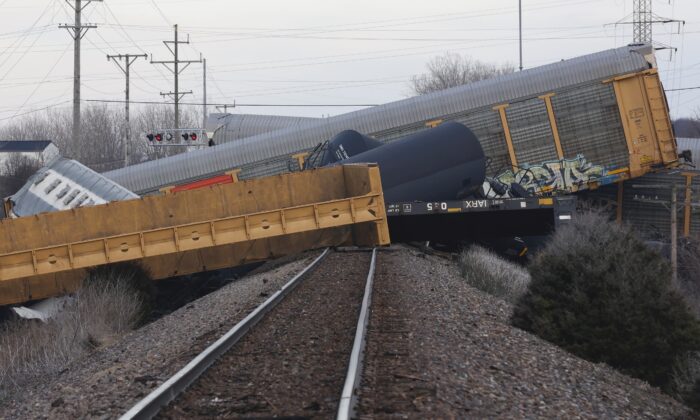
301	158
433	123
137	245
659	116
192	231
553	123
506	131
234	174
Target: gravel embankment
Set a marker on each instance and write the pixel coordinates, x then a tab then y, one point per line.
293	363
108	382
438	348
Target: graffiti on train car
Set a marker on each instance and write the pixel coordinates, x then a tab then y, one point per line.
548	177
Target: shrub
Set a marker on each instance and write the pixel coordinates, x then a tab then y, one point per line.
492	274
111	302
600	293
15	173
689	272
686	379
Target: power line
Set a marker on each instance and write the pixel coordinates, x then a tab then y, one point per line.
109	9
161	13
128	61
687	88
26	50
38	85
36	110
176	70
77	32
230	105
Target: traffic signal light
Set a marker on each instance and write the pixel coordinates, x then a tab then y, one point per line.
189	136
169	136
159	137
150	136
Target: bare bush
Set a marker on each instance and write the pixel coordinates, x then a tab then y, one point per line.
101	143
16	172
686	379
104	309
452	70
689	272
492	274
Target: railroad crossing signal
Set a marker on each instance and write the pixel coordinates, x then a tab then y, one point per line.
188	136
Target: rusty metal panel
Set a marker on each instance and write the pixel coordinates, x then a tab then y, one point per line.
195	230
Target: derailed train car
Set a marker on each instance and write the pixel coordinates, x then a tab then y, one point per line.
560	128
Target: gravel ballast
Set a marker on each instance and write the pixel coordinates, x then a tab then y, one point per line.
438	348
106	383
293	363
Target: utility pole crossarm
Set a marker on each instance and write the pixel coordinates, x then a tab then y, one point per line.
176	70
77	31
129	59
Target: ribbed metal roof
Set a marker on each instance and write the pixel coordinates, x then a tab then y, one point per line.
24	146
65	184
230	127
151	176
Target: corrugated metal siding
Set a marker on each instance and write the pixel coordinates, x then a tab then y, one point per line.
230	127
653	219
398	118
486	125
589	123
531	132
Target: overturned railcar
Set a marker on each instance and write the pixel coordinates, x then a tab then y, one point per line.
560	128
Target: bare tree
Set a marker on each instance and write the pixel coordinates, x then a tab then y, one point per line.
452	70
16	171
101	144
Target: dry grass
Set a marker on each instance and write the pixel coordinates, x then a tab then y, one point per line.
107	307
492	274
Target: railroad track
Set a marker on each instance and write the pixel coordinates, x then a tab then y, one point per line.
303	358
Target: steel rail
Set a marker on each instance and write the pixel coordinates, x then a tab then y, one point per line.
348	399
149	406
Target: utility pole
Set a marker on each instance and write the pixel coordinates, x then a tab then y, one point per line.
674	234
77	32
204	87
128	61
520	26
176	70
672	206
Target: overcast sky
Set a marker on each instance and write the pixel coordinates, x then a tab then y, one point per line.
311	51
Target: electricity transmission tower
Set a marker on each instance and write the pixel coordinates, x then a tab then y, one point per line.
77	32
176	70
643	20
128	61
